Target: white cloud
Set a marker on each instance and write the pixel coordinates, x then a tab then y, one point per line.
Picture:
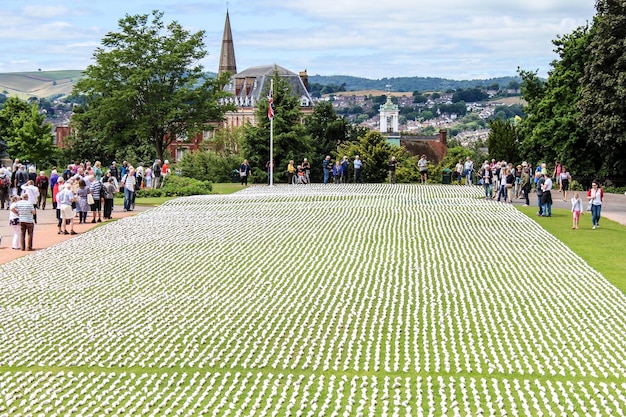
44	12
451	38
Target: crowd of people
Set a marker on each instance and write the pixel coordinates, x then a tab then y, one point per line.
75	191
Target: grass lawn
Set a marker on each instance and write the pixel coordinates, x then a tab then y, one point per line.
602	249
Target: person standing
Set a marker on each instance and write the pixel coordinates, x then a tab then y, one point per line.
595	196
487	177
306	167
42	184
337	172
96	192
577	208
468	168
539	181
327	168
25	210
97	170
139	175
128	182
65	198
21	178
148	177
5	190
564	180
108	188
114	171
546	196
458	171
58	186
244	172
165	170
358	169
422	166
14	222
82	205
345	167
269	167
291	170
526	185
393	164
156	173
33	194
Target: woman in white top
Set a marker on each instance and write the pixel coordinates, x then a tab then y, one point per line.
14	222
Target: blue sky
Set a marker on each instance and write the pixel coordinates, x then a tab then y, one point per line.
455	39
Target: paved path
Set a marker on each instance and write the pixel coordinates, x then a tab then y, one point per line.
45	234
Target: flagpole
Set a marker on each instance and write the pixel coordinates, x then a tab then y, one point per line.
271	137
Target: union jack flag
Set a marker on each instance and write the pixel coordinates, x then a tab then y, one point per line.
270	106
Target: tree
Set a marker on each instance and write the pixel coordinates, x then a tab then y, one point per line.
147	86
602	103
24	129
503	140
551	131
375	152
290	138
327	131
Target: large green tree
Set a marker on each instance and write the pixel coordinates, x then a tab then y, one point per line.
503	140
327	131
289	136
25	131
147	85
551	131
375	152
602	103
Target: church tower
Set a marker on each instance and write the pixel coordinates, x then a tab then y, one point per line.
227	55
389	116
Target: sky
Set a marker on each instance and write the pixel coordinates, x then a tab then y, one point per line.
455	39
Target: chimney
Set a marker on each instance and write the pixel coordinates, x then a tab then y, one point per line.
443	134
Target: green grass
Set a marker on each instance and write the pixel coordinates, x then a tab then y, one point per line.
603	249
226	188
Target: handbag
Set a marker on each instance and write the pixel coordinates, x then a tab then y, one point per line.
589	206
90	199
14	222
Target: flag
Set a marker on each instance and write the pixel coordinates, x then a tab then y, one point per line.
270	106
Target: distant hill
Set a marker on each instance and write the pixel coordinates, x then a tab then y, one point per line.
41	84
408	84
53	84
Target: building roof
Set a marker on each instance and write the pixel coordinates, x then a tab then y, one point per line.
252	84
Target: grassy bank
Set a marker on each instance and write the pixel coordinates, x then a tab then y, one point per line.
603	249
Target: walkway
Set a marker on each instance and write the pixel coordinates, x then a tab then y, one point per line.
45	234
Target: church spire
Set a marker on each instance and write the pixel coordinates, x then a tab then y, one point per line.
227	55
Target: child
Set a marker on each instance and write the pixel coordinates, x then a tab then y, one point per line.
577	208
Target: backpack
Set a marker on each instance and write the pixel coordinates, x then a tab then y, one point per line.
43	183
5	182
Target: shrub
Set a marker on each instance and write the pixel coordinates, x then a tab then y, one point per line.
208	166
176	186
149	192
